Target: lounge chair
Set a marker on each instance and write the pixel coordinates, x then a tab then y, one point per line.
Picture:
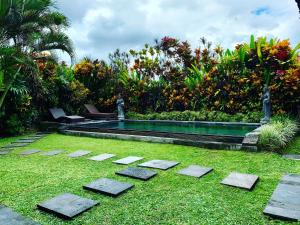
60	116
93	113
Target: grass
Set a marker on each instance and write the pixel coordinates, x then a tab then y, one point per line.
166	199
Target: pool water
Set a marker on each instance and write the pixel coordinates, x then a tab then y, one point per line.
173	127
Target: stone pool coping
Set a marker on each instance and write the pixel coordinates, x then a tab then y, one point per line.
202	144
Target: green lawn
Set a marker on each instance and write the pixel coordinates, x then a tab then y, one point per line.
166	199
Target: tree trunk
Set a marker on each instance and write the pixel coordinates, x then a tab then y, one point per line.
3	96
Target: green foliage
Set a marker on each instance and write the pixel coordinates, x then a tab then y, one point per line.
276	135
202	115
14	125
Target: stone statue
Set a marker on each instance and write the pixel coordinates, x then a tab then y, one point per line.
266	98
120	105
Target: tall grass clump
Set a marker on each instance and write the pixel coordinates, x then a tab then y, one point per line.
277	134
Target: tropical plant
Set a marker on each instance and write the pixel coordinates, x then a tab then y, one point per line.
276	135
33	26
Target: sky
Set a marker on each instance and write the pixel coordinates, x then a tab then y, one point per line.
99	27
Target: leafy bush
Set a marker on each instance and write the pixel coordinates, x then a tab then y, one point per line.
202	115
276	135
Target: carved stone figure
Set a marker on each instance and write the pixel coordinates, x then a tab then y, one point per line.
266	98
120	105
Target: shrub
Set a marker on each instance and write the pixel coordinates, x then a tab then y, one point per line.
276	135
202	115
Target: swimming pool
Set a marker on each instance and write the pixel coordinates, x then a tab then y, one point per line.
203	128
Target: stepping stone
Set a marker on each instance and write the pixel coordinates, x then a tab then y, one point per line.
128	160
43	133
240	180
159	164
292	156
29	152
285	201
102	157
79	153
17	145
108	187
10	217
30	138
137	173
52	153
4	152
24	141
67	205
195	171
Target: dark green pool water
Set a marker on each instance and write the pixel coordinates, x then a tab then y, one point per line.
191	128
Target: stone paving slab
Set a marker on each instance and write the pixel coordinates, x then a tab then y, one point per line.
292	156
240	180
79	153
285	200
4	152
10	217
30	138
108	187
195	171
128	160
24	141
52	153
159	164
102	157
67	205
137	173
30	152
17	145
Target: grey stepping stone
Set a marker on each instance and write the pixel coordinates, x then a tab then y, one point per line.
108	187
285	201
195	171
292	156
79	153
137	173
17	145
102	157
52	153
29	152
10	217
128	160
67	205
159	164
4	152
30	138
24	141
245	181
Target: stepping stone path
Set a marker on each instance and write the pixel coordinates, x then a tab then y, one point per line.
30	152
128	160
195	171
292	156
285	201
240	180
52	153
102	157
108	187
159	164
137	173
67	205
79	153
10	217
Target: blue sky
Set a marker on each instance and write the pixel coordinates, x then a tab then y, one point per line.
99	27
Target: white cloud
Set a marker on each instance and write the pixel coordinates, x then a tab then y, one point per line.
101	26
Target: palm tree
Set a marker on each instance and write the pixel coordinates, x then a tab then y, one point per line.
33	26
28	27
